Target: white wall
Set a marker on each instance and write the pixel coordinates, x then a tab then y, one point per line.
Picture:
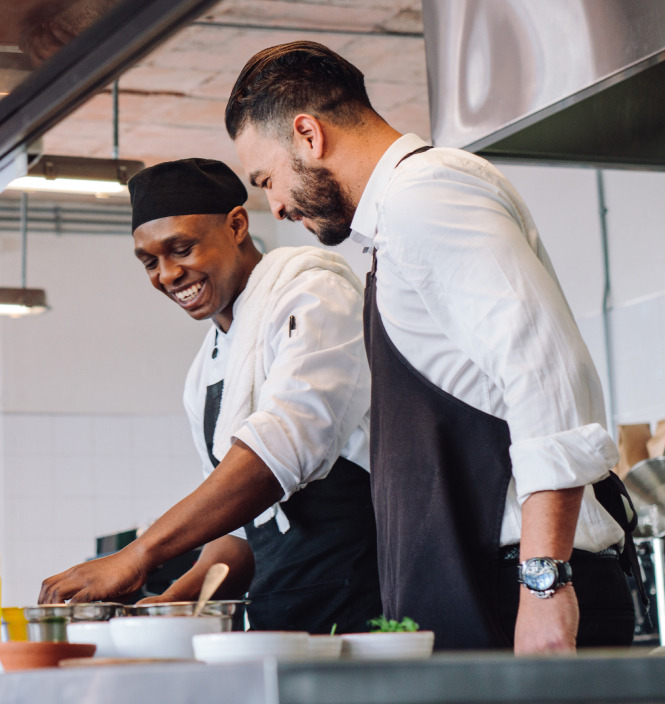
564	204
70	478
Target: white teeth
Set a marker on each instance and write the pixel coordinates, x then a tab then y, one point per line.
189	293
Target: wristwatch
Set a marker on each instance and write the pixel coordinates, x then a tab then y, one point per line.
542	576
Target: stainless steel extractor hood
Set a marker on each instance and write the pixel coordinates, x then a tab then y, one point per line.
571	82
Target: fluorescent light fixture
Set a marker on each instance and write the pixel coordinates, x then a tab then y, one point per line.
76	174
19	302
67	185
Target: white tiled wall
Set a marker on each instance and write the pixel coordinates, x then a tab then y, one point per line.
71	478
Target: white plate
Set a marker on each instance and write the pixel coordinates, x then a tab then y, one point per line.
324	647
253	645
160	636
388	646
97	632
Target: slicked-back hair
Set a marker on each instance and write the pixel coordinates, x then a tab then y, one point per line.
299	77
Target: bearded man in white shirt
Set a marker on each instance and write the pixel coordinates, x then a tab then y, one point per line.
488	442
278	400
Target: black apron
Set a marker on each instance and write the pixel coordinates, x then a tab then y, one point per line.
440	471
323	570
440	474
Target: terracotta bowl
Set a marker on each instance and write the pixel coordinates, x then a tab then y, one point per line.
30	656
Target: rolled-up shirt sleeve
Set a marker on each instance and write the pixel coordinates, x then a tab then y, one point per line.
484	285
317	387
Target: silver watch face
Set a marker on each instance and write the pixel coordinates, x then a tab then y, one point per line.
539	574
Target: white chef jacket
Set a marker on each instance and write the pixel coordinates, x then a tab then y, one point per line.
467	294
314	404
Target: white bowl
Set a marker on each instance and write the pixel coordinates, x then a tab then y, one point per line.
97	632
253	645
388	646
324	647
160	636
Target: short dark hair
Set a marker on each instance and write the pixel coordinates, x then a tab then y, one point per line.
278	83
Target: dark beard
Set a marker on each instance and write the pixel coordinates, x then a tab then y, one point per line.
321	198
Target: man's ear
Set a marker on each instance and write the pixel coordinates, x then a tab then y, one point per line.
308	137
238	220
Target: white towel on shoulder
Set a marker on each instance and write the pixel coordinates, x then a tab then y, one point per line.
245	371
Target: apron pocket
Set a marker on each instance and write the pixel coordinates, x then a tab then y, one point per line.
313	608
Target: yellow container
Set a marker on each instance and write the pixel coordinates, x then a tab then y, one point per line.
17	625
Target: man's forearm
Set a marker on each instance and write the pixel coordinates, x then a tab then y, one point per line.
235	552
238	490
549	521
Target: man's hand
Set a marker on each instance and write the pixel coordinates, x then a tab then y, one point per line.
232	551
547	625
104	579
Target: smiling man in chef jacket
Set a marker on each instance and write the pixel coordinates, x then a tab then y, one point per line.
278	400
489	451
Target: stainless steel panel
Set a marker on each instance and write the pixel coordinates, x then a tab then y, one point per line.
498	66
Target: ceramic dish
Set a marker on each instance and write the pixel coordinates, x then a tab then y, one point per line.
97	632
324	647
253	645
31	656
149	637
388	646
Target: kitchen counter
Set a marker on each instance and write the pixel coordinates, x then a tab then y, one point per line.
607	677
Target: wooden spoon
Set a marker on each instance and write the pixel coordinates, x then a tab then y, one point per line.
216	575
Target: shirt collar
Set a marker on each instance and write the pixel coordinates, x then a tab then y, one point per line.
364	221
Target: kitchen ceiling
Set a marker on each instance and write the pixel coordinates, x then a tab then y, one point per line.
172	103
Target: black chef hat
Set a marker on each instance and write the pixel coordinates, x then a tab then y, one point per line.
184	187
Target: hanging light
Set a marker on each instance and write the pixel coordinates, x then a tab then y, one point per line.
18	302
84	175
75	174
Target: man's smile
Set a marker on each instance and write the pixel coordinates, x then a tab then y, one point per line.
188	296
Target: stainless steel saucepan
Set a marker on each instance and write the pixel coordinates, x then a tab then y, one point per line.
231	612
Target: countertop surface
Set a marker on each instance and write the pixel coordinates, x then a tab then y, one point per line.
446	678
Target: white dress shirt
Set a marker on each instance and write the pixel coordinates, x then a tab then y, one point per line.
467	294
316	395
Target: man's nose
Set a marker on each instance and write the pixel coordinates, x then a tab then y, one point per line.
169	273
278	209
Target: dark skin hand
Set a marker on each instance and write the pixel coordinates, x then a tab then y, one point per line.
248	488
211	257
232	551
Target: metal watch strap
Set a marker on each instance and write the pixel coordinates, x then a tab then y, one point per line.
564	572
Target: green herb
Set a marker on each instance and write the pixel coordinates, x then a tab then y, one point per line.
383	625
334	628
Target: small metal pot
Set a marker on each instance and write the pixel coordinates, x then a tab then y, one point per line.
96	611
49	623
231	612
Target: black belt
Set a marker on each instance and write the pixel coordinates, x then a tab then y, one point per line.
512	552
